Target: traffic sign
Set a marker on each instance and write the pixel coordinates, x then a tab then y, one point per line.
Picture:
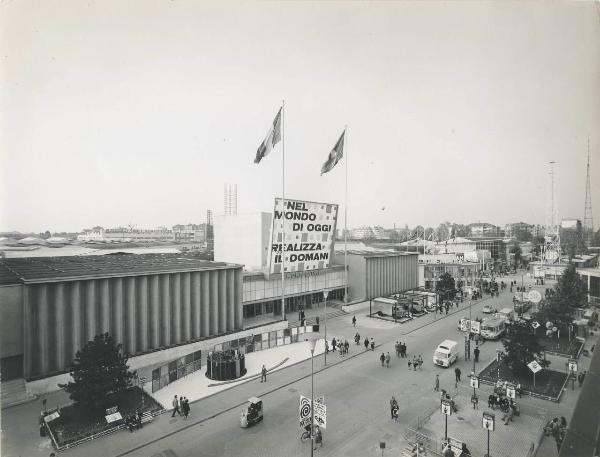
320	415
304	411
510	391
446	407
534	296
474	382
573	365
488	421
534	366
535	324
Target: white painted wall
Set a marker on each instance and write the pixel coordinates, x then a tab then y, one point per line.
243	239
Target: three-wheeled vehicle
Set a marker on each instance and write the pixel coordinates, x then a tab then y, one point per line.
252	413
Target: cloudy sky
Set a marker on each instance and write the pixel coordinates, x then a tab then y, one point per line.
138	112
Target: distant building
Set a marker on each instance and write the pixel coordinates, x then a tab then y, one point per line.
511	230
192	233
483	229
571	237
131	234
93	234
461	266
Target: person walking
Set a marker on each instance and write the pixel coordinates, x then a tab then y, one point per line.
366	344
397	346
387	360
580	378
175	404
382	358
457	373
185	408
403	349
415	362
420	360
333	344
393	408
372	344
436	386
263	374
476	354
357	339
354	321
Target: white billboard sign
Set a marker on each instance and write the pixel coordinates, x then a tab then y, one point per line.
309	235
476	327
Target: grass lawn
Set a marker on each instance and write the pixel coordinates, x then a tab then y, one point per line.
547	382
76	422
561	346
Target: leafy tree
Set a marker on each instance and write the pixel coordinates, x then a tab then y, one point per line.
523	235
516	250
445	286
596	238
521	347
99	369
442	232
570	292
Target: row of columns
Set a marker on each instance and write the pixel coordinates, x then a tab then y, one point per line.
142	312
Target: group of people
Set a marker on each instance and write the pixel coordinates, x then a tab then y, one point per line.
400	349
385	359
181	406
416	362
369	344
339	345
556	428
134	421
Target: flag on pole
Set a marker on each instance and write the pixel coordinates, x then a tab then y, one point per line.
335	155
273	137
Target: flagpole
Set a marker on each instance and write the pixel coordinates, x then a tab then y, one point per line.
346	218
283	209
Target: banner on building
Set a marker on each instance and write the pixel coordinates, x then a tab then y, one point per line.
309	235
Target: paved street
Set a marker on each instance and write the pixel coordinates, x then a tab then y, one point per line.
357	391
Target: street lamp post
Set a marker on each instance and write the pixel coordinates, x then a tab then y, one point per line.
325	294
312	397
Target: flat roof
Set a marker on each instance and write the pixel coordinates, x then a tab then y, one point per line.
51	269
366	253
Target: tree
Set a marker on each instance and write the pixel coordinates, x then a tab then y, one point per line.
445	286
99	369
570	292
442	232
523	235
521	347
596	239
516	251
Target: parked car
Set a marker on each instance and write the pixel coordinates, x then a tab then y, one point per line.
489	309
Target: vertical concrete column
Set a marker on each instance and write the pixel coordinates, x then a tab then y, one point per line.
205	303
76	320
105	306
154	329
117	309
195	304
27	334
142	313
176	310
230	299
222	304
60	331
186	314
239	290
90	310
130	318
165	303
214	303
42	325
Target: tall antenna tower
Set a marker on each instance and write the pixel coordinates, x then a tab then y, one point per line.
588	221
551	252
230	199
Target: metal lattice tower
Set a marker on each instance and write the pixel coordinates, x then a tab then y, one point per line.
230	199
588	221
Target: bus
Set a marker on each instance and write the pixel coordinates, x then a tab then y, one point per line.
492	329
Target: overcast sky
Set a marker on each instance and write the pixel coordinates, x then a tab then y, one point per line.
138	112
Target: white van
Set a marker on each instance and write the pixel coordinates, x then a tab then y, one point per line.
446	353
